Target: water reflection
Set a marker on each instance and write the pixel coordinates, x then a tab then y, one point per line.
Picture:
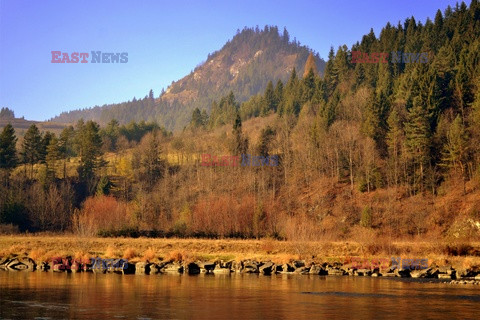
87	296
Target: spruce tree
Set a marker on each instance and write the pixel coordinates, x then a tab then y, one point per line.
32	147
417	134
8	152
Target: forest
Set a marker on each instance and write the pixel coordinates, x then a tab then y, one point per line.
364	150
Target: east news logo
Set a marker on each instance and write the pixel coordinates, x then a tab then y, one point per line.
96	57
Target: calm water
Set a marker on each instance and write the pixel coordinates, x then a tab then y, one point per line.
111	296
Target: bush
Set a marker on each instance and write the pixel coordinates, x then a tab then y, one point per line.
105	216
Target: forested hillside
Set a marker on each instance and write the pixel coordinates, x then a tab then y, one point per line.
244	66
365	150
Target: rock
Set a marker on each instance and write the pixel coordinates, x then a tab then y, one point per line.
219	270
402	273
118	265
363	272
423	273
76	266
335	272
21	264
4	261
142	268
388	274
192	268
298	264
278	268
477	277
314	269
444	276
206	267
236	266
43	266
376	274
128	268
288	268
155	268
302	270
173	267
226	265
250	266
267	268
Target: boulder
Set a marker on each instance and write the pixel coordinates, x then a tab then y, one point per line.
192	268
219	270
250	266
128	268
206	267
142	268
402	273
288	268
363	272
155	268
267	268
43	266
4	261
422	273
444	276
302	270
388	274
21	264
173	267
315	269
76	266
335	271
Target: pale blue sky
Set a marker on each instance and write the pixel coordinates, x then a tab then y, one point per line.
165	40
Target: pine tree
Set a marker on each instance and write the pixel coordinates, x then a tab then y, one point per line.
309	86
417	134
8	152
90	151
32	147
66	146
240	143
266	136
270	100
152	166
53	155
197	120
456	149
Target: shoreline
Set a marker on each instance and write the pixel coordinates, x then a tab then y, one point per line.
266	256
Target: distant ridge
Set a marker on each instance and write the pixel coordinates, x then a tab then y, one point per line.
244	65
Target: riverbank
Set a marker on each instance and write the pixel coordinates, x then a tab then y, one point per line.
45	247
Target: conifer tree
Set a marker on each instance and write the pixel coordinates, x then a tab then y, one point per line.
270	100
8	152
417	134
32	147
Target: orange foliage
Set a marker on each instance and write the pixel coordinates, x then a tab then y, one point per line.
102	213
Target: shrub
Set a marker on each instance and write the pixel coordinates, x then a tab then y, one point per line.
102	215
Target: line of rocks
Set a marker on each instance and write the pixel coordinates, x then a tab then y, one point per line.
23	263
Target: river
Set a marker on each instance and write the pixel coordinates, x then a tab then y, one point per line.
50	295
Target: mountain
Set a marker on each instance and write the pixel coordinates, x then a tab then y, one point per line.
244	66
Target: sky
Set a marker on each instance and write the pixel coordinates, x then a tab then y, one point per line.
165	40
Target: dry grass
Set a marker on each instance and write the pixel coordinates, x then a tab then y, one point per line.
130	254
41	247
